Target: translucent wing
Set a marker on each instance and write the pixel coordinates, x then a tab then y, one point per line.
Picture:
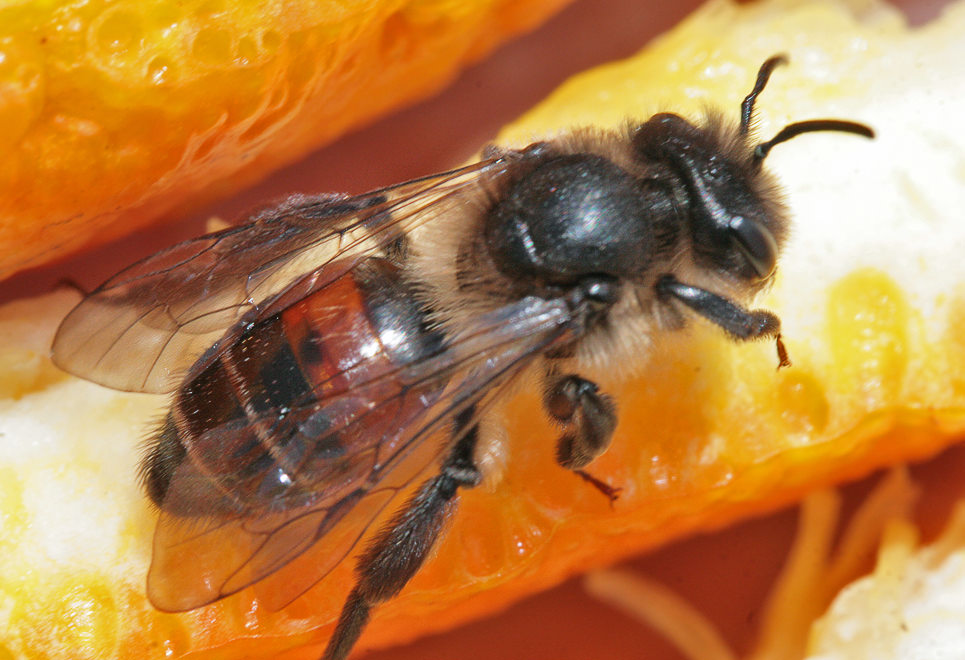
147	325
299	514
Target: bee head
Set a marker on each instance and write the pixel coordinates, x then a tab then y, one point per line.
735	224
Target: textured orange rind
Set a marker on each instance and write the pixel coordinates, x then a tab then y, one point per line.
115	113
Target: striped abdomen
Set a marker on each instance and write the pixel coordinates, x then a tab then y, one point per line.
303	405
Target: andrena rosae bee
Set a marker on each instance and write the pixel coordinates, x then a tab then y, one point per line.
334	360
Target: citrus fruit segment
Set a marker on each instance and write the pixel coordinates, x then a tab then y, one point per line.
871	292
909	606
115	113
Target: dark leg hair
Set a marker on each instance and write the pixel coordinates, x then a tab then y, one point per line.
400	549
588	418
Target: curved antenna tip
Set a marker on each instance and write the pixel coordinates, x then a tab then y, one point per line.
811	126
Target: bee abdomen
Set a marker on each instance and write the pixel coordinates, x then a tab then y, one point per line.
326	361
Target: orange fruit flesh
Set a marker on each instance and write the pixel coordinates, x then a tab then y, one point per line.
711	433
116	113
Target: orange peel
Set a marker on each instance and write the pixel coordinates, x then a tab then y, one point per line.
116	113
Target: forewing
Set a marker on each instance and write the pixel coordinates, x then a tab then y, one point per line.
143	328
300	535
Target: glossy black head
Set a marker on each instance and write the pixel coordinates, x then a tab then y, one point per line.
734	224
569	217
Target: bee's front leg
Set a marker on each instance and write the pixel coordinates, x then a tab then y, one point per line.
588	418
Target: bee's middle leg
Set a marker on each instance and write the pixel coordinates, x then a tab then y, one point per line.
588	418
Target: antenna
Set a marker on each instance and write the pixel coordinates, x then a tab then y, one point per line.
791	130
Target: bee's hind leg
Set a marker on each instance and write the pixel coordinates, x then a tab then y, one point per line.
588	418
400	549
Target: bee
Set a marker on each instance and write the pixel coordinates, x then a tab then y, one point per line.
336	360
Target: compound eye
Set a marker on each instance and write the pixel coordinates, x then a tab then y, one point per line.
756	243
